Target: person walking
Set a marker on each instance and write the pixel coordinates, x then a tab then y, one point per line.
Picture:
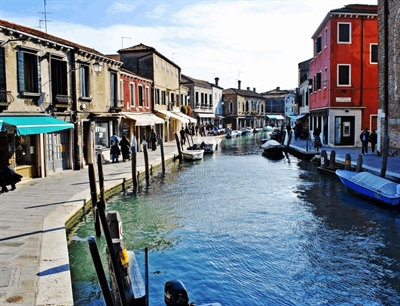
153	140
373	139
183	136
364	136
125	146
114	150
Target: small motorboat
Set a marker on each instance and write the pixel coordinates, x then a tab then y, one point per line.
371	186
194	154
273	149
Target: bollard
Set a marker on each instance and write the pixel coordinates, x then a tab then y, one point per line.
359	163
347	162
332	160
324	158
100	271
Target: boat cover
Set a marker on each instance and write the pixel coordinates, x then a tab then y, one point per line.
376	182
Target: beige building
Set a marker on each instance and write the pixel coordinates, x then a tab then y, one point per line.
165	74
54	96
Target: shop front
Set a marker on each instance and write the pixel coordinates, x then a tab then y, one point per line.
35	145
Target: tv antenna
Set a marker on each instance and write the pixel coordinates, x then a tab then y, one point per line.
122	40
45	21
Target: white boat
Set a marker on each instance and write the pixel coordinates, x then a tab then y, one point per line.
207	143
273	149
268	128
192	154
371	186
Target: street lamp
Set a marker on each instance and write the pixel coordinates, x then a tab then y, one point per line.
97	67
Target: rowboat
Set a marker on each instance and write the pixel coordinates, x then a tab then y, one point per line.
371	186
273	149
192	154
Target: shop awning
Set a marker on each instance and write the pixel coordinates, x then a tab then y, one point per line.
168	114
144	119
203	115
191	119
277	117
30	125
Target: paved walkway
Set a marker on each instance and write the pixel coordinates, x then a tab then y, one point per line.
34	264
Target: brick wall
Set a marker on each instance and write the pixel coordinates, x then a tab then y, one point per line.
393	70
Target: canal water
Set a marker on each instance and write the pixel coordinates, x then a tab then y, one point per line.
240	229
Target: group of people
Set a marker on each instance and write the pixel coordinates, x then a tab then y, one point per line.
367	137
120	147
8	176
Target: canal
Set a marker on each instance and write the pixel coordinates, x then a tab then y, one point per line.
239	229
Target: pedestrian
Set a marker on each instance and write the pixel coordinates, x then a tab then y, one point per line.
134	147
153	139
125	145
114	150
183	136
8	176
296	130
317	139
373	139
364	136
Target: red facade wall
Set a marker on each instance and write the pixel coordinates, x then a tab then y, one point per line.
136	81
363	88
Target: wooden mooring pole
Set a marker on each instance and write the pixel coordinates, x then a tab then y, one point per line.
93	194
134	168
179	147
146	163
324	158
359	163
161	144
347	162
332	160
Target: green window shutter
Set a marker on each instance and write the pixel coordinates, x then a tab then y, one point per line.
21	76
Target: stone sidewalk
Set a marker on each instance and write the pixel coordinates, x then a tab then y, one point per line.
34	262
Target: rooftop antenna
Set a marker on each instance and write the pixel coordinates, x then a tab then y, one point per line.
45	17
122	40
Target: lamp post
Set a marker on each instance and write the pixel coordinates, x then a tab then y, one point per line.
97	67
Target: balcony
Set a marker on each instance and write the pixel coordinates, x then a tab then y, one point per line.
5	99
61	102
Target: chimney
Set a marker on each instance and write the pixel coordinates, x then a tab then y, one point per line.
239	84
248	88
254	89
278	88
216	81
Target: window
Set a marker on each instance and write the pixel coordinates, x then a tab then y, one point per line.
163	97
29	72
114	90
3	82
318	48
326	38
172	99
344	32
157	93
344	75
325	77
374	53
121	91
317	81
132	94
59	84
140	95
147	97
197	99
84	80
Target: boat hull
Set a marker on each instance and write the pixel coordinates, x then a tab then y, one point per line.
192	154
353	181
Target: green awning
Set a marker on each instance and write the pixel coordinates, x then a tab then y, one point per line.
30	125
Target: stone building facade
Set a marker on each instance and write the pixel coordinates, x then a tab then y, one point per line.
389	51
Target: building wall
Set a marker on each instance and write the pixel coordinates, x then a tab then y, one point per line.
393	73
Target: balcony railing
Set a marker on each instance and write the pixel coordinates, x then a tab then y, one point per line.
6	98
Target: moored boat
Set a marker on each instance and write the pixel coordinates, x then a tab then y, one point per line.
192	154
273	149
371	186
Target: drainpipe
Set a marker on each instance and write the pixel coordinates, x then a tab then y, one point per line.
74	115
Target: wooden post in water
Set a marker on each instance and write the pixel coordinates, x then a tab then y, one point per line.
146	162
323	160
359	163
179	147
347	162
160	142
93	194
134	168
332	160
113	258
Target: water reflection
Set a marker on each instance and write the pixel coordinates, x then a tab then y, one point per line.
240	229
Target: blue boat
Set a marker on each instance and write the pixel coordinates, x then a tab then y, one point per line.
371	186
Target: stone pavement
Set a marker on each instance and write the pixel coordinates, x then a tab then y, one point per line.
34	262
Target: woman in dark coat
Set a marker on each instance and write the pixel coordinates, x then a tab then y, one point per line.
125	145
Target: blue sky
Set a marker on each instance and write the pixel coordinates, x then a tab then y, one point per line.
259	42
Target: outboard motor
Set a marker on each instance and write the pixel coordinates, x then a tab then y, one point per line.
175	293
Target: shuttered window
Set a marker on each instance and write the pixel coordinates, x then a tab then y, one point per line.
28	72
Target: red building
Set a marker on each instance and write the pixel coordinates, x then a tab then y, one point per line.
344	73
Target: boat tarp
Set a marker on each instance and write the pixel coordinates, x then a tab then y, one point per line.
374	182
